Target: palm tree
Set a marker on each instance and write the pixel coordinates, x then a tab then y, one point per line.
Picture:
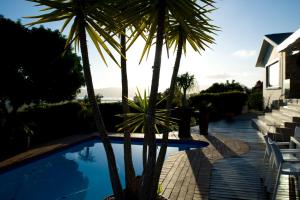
130	177
185	82
87	17
197	36
155	16
131	180
136	121
158	14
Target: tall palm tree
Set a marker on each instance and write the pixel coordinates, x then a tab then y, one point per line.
198	35
159	15
131	180
130	177
87	16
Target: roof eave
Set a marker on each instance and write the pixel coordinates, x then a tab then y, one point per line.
263	48
289	41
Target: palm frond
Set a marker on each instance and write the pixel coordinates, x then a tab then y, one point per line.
136	121
191	16
90	12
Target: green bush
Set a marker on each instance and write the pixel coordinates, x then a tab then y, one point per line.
221	103
41	124
256	101
56	121
52	121
59	120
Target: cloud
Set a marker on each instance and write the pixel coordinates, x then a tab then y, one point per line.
244	53
219	76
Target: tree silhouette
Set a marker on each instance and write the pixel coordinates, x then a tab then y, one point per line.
32	68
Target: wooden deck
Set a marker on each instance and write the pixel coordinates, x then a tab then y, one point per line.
224	170
238	177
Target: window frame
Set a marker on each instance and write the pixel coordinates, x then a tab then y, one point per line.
271	85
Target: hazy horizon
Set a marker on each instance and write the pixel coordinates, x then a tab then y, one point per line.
116	92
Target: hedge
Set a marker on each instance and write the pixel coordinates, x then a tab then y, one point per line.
256	101
221	103
52	121
56	121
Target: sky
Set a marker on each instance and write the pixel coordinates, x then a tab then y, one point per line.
243	23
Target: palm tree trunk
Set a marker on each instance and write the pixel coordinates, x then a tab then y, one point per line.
184	101
131	186
148	175
175	74
163	150
114	177
145	150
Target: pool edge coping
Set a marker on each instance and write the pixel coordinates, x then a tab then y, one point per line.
45	149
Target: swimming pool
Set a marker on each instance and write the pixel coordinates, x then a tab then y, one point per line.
79	172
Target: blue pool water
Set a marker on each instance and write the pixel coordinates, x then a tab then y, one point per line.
78	173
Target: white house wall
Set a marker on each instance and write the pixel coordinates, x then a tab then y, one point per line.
273	94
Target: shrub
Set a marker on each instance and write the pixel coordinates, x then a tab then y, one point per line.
221	103
57	120
256	101
52	121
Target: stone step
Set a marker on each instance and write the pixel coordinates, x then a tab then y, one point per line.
291	111
272	120
283	117
263	125
276	131
295	106
280	123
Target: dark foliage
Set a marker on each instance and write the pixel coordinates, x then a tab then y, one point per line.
42	124
221	103
56	121
225	87
109	111
256	101
45	122
33	68
258	87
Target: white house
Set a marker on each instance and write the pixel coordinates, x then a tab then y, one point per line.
279	55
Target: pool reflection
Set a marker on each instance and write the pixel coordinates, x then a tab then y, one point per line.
48	179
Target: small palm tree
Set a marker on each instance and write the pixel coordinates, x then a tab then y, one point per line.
137	121
185	82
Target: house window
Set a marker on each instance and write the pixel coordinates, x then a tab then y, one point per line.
273	74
